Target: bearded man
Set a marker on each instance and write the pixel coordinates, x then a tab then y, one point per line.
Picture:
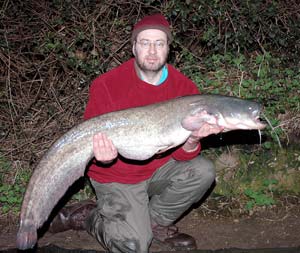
138	202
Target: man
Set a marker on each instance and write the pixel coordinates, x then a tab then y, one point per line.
141	201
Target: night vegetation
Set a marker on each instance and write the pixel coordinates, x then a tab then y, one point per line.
50	51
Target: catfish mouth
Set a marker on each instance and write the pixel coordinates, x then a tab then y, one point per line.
253	124
260	123
244	123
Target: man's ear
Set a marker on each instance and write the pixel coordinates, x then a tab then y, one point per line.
133	48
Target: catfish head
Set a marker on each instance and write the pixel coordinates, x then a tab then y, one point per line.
229	113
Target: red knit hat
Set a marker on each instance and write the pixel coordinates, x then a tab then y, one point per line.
155	21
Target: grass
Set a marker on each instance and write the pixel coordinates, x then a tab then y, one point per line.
12	186
259	177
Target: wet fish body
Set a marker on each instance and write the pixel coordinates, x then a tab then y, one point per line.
138	134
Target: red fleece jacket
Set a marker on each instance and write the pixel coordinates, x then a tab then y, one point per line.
119	89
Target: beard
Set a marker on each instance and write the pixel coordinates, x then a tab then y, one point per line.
146	66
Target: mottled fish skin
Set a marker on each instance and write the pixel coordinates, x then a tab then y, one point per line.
138	134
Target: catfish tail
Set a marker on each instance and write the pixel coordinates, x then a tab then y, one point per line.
26	237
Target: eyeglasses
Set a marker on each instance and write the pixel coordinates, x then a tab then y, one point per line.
145	44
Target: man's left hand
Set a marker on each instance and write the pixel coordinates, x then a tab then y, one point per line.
206	129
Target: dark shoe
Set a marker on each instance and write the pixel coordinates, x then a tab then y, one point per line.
170	237
72	217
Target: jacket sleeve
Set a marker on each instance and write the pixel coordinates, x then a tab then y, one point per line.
181	155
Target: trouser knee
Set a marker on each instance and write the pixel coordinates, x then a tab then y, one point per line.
203	170
189	181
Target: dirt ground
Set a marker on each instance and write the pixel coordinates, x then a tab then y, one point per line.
277	227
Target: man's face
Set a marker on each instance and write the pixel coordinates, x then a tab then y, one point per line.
151	50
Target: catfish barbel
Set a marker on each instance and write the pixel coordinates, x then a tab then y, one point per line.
137	133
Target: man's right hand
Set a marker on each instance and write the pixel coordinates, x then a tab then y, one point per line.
104	149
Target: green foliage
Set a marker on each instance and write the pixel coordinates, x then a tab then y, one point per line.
85	193
262	196
240	26
263	78
260	177
11	197
79	56
248	49
11	193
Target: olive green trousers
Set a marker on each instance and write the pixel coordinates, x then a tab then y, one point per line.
124	214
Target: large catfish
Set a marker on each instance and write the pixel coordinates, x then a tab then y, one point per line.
138	133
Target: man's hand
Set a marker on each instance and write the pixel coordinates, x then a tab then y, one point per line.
206	129
104	149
